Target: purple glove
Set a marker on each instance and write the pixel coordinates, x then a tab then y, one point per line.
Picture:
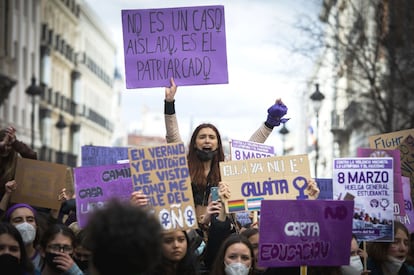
275	114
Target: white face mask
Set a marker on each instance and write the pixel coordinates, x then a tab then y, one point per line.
27	231
393	265
355	266
236	269
355	262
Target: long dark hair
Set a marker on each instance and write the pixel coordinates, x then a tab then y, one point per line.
378	251
218	266
187	265
196	166
25	263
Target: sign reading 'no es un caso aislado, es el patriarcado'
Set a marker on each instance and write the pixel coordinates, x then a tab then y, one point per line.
187	43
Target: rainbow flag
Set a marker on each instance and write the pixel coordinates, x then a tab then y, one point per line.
237	205
254	204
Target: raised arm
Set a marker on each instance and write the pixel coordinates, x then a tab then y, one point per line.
170	118
275	115
18	146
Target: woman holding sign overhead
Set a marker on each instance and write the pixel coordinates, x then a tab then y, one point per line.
206	149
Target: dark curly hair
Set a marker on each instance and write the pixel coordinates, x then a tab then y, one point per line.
123	239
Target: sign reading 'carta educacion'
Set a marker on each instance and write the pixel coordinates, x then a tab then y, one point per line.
187	43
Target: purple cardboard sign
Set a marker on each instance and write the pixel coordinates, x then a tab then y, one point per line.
408	218
102	155
186	43
96	185
312	232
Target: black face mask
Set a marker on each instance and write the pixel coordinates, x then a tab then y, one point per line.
52	265
205	155
83	265
10	265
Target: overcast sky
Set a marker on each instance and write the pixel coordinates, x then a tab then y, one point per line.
261	66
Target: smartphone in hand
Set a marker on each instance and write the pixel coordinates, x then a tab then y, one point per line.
215	193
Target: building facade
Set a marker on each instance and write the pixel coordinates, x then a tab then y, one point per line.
68	52
365	74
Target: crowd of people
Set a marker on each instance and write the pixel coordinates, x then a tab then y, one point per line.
125	238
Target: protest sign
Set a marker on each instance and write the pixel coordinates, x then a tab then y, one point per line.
395	155
40	183
325	188
369	182
389	140
312	232
408	218
96	185
162	174
253	180
186	43
407	160
248	149
102	155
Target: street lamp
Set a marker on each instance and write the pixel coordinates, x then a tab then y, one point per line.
61	125
283	131
317	98
33	91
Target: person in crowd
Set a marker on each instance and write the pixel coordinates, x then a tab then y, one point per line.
57	247
13	257
177	258
123	239
389	257
252	234
81	254
221	225
10	150
356	259
205	150
235	257
23	217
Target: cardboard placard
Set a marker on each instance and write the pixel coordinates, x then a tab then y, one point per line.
39	183
161	172
253	180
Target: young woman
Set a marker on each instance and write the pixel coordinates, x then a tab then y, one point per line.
13	257
236	257
57	247
389	257
177	257
205	150
23	217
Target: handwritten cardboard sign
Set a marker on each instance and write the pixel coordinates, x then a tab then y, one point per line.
96	185
253	180
389	140
40	183
161	172
369	182
395	155
187	43
102	155
312	232
248	149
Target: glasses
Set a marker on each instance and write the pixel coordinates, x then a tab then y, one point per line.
60	248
